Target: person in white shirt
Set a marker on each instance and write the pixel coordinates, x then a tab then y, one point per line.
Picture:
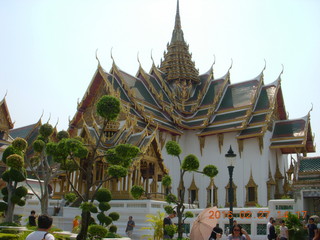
284	234
44	224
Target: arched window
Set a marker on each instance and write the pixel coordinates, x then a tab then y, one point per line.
212	191
234	194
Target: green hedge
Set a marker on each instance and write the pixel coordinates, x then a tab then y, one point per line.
8	236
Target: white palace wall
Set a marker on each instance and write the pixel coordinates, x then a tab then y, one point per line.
251	160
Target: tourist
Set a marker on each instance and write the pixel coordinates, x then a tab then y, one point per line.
75	223
44	224
269	224
32	218
238	233
312	229
130	226
272	231
168	222
284	234
216	233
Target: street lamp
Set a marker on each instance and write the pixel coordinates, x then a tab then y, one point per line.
230	157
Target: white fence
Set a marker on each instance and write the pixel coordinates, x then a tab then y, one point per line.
254	220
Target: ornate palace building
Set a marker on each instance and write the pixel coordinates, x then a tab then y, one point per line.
205	114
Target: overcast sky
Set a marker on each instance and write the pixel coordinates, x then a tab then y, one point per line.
47	50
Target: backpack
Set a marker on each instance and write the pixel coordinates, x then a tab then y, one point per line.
44	236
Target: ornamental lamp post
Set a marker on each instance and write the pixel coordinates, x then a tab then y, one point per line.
231	160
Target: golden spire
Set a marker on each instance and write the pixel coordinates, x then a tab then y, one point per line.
177	34
177	64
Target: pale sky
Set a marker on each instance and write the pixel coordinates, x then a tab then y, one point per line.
47	50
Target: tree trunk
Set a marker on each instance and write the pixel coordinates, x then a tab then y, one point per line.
9	212
85	217
10	209
44	204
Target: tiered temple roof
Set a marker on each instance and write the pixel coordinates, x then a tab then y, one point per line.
175	98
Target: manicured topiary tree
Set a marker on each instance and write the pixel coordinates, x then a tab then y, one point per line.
44	166
13	157
189	164
118	159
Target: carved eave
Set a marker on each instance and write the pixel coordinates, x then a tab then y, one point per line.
278	175
6	115
270	181
193	185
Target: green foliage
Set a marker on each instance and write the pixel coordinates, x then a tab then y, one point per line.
188	214
173	148
127	151
190	163
51	148
210	171
292	221
113	228
4	191
62	134
112	157
70	197
3	206
286	197
34	161
156	222
20	144
5	198
21	191
136	191
168	209
104	206
108	107
171	198
117	171
103	195
9	224
94	209
9	236
107	220
81	152
15	199
86	206
166	181
9	151
21	202
6	176
97	230
46	130
69	165
171	229
39	145
114	216
101	217
112	235
15	161
18	175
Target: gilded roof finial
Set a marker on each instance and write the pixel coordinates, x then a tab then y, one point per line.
178	21
111	54
265	65
56	123
49	118
138	60
310	109
97	57
177	34
5	94
152	58
230	65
